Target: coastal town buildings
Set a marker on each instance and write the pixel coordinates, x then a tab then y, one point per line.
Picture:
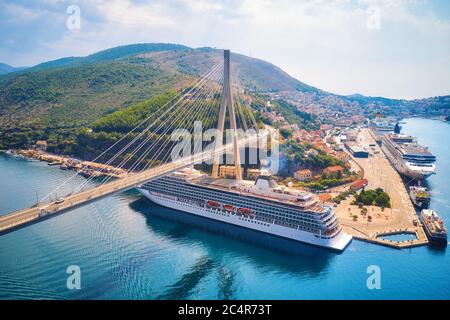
359	184
333	170
227	172
41	145
303	175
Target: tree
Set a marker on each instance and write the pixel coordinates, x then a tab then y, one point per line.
286	133
383	200
373	197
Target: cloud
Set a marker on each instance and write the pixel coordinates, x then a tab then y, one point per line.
203	6
123	12
329	44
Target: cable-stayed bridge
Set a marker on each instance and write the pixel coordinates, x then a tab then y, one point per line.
145	151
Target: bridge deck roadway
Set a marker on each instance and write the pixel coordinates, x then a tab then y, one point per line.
24	217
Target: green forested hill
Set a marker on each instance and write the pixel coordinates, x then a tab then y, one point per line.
78	95
110	54
5	68
77	91
81	105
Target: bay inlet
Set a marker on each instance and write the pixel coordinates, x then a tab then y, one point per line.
128	248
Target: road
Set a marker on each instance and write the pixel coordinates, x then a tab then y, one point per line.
33	214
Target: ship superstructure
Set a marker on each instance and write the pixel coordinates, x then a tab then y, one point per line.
420	196
379	127
434	227
262	205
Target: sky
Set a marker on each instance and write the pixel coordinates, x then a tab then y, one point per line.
389	48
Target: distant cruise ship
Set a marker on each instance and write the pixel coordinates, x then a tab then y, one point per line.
434	227
380	127
408	157
262	205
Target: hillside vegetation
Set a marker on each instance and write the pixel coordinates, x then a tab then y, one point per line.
79	104
78	95
76	91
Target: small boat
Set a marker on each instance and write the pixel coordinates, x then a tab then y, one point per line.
63	167
213	204
434	227
246	212
420	196
229	208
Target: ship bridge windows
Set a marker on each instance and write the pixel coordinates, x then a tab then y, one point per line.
419	159
423	165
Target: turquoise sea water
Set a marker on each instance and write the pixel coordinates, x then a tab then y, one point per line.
128	248
400	237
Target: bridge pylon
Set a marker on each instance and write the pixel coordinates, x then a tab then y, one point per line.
227	103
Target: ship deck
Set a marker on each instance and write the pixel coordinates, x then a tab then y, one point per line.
229	185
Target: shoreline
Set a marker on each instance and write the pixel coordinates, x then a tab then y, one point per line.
84	168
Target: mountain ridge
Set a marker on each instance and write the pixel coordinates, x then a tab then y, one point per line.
6	68
75	91
78	90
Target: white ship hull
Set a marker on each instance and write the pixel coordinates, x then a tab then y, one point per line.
338	243
404	168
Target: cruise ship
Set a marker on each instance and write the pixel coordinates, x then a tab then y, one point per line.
379	127
407	156
263	205
420	196
434	227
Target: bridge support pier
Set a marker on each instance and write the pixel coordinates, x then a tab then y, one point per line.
227	103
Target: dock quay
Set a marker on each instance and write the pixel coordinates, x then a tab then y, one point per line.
85	168
377	237
401	218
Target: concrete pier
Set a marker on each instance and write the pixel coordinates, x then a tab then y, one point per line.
397	219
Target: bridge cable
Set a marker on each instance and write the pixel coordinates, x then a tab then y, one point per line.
204	115
162	147
180	118
214	68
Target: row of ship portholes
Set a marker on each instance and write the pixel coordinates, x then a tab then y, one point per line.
234	213
243	219
252	220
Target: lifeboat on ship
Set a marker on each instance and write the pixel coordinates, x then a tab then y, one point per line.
229	208
212	204
246	212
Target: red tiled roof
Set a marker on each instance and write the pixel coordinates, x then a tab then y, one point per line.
325	197
334	169
305	171
359	184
